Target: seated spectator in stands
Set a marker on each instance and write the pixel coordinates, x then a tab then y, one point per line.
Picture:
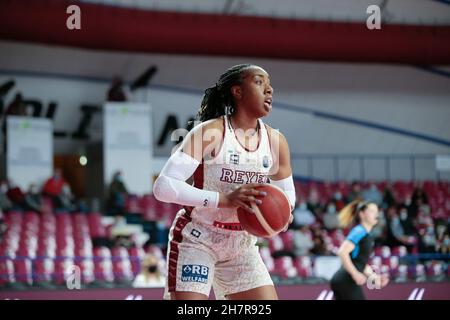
418	198
53	188
330	219
427	240
443	246
320	247
388	197
16	196
33	198
314	204
417	204
67	199
339	201
5	203
418	193
408	223
150	275
17	107
396	232
302	241
355	192
115	92
424	217
379	231
372	194
303	216
117	196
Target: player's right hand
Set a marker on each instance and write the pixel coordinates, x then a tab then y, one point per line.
241	197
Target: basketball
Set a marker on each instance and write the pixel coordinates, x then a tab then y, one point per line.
270	217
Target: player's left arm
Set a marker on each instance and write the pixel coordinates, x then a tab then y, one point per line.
281	171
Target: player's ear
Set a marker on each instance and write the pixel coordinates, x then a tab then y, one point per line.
236	92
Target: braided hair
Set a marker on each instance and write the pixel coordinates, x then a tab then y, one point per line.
218	99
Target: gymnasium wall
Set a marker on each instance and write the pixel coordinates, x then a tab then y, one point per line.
322	108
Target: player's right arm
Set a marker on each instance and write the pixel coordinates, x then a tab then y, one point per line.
171	185
344	254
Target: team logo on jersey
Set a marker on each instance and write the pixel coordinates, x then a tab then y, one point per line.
234	158
265	161
194	273
196	233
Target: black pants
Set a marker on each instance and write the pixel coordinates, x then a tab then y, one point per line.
345	288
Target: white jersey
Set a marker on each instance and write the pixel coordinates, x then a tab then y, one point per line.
232	166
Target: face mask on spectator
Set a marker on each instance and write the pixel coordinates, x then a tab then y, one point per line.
152	268
66	189
446	242
331	209
338	196
440	230
403	214
302	205
4	188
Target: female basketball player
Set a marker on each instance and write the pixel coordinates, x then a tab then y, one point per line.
355	251
228	154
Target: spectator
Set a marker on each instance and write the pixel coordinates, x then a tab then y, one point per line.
379	231
115	92
372	194
17	107
418	193
339	201
33	198
407	221
427	240
16	196
53	188
67	199
418	199
443	246
117	195
303	216
396	232
320	246
388	197
330	219
314	202
302	241
355	192
5	203
150	275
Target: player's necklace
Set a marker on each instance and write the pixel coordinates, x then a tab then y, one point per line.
256	130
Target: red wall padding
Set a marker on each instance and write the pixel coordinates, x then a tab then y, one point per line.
124	29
